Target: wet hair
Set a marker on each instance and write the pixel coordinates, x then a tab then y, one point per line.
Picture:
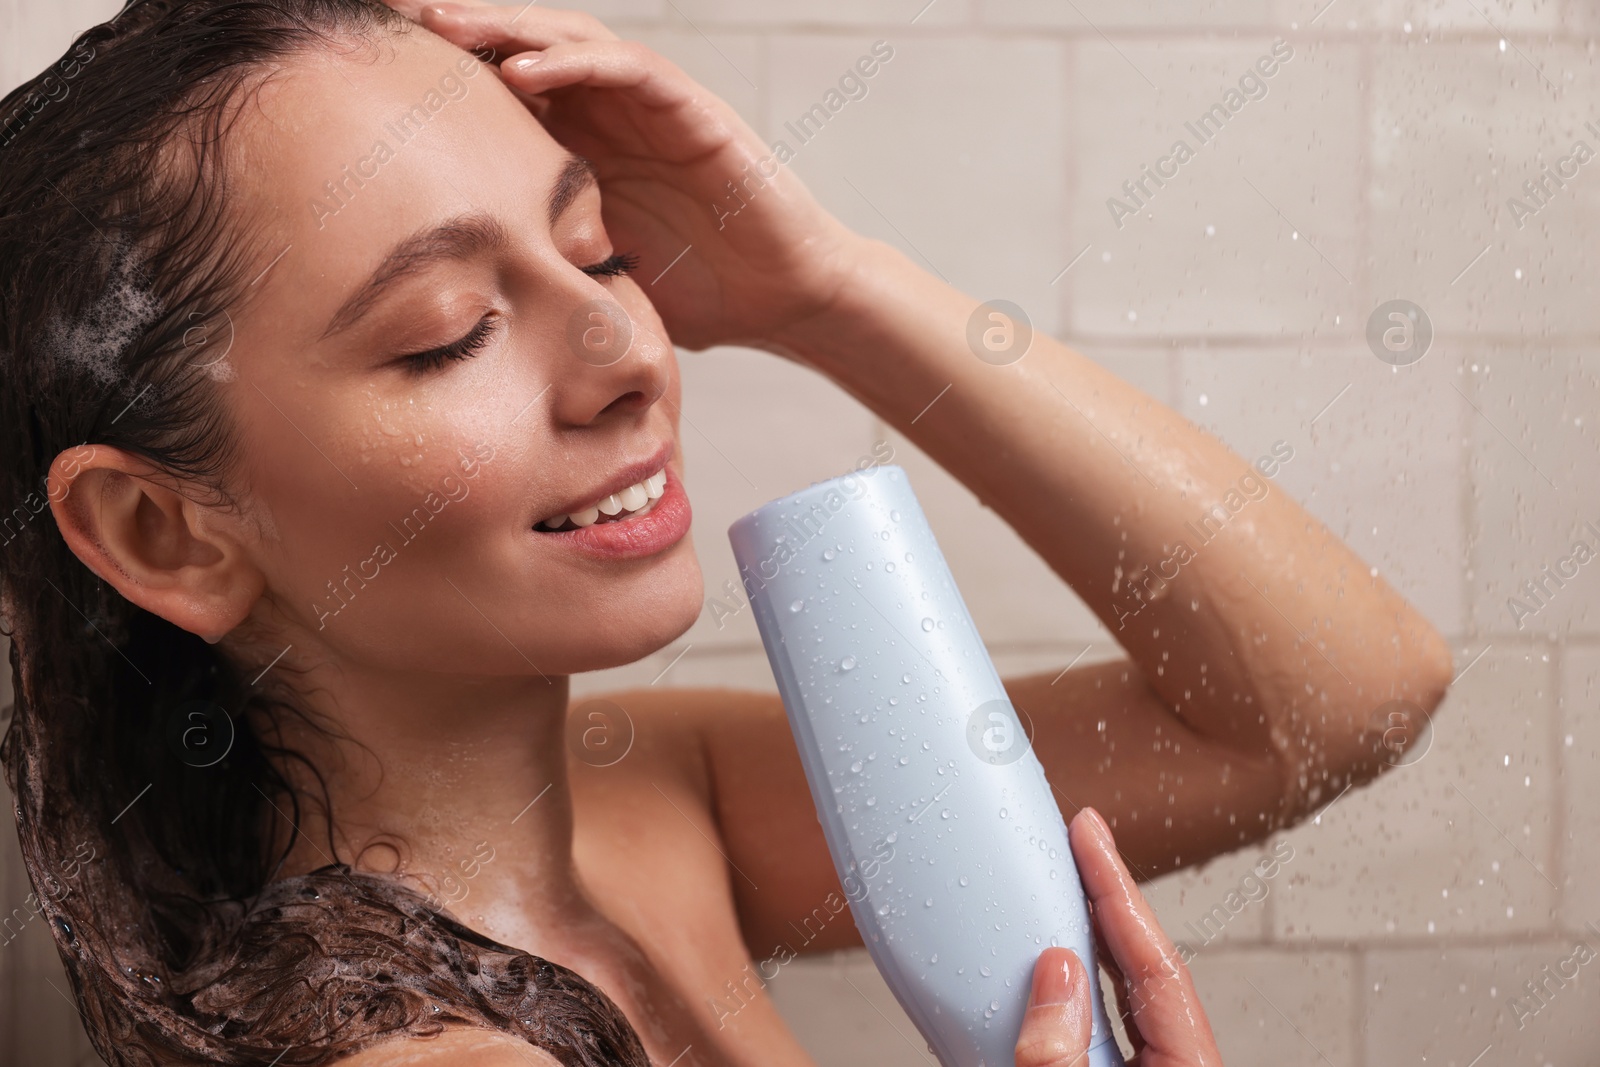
152	855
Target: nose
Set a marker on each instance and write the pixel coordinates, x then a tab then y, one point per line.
615	363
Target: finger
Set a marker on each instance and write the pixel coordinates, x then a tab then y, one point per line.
1119	984
513	29
412	9
650	78
1165	1003
1057	1026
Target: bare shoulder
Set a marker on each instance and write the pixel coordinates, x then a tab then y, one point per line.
672	731
454	1048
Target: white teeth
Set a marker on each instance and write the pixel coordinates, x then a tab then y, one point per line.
633	498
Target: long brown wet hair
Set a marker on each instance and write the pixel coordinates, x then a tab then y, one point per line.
149	850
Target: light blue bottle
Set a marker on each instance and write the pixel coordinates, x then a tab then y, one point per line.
941	824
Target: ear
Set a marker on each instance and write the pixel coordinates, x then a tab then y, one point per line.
128	522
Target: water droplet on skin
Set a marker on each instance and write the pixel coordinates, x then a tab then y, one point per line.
798	606
848	663
927	626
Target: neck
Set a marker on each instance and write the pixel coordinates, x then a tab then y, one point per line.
456	785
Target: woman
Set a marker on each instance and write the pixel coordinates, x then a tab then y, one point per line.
299	316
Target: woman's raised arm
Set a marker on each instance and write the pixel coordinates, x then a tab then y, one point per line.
1261	657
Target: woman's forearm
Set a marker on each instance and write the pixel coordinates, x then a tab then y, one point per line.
1269	636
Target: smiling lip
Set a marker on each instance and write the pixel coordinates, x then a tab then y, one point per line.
629	475
643	534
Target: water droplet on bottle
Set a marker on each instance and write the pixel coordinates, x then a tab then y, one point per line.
848	663
894	516
986	972
963	879
888	566
928	903
1002	813
828	554
927	626
994	1005
855	768
872	802
797	606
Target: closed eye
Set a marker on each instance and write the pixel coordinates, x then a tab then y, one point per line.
615	265
420	363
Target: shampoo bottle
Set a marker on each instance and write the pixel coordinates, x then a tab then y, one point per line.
942	827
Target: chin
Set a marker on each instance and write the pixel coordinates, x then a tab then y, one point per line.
634	626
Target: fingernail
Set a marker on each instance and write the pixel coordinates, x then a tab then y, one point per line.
1057	983
523	64
1099	823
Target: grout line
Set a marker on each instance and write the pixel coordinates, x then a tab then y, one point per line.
1358	999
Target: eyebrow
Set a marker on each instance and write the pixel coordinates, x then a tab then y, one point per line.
458	238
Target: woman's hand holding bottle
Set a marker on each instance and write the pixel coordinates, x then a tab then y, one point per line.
1166	1023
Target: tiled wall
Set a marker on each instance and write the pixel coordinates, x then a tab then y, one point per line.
1377	166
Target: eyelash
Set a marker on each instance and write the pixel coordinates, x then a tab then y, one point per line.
421	363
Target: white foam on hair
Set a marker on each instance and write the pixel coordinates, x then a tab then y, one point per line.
94	345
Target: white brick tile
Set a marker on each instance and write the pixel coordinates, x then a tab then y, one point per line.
1272	1008
1535	458
1381	466
955	155
1259	232
1452	1005
1459	842
1091	16
1456	130
1347	16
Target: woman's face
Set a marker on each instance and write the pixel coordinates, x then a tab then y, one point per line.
417	205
